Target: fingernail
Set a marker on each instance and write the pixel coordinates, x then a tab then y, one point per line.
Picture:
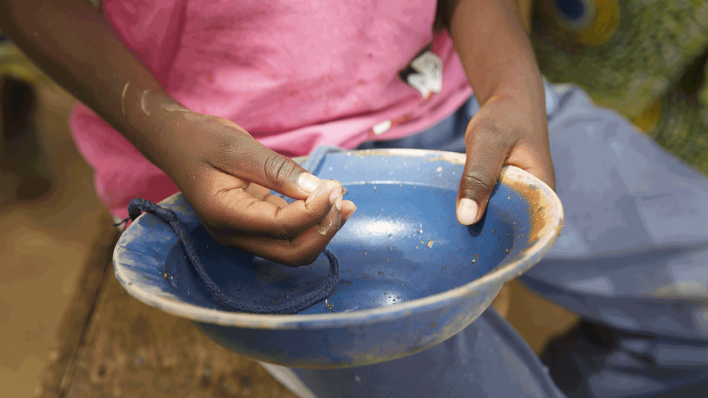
335	196
348	208
316	192
467	211
308	182
346	216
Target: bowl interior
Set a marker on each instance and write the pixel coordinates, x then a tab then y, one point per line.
402	253
403	243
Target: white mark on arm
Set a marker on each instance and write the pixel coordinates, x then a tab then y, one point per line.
143	103
194	117
122	98
174	108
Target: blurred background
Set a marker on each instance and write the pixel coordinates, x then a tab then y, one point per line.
646	59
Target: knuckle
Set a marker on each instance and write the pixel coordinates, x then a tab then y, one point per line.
282	229
278	170
306	260
219	237
299	256
478	182
300	261
290	262
283	232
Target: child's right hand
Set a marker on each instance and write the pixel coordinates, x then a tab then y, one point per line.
226	175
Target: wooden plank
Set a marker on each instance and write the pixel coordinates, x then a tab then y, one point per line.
535	318
73	327
111	345
134	350
503	300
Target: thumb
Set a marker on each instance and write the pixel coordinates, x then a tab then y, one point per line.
485	158
263	166
284	175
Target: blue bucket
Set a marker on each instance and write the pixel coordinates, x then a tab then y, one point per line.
411	275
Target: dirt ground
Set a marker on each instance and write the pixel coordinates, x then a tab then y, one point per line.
44	243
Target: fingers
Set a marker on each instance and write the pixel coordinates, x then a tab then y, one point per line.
276	200
302	249
264	194
238	210
279	173
305	248
536	161
258	191
242	156
348	208
229	186
487	149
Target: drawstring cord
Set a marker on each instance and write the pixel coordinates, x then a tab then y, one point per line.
137	206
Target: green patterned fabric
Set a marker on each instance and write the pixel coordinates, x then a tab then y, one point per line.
654	43
683	127
655	53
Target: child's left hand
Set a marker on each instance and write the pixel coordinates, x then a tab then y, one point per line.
511	126
508	130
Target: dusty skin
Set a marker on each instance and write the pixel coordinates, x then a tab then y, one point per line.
143	102
122	98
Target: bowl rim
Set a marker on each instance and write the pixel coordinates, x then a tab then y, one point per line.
515	267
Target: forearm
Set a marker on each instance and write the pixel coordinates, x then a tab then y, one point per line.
494	48
511	126
71	41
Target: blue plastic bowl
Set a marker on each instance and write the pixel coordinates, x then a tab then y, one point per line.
412	276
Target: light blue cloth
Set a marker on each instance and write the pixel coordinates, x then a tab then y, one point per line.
636	219
487	358
634	248
632	259
632	256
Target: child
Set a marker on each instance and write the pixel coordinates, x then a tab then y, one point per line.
165	82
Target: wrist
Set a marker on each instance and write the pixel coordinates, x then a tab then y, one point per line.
517	80
153	124
494	49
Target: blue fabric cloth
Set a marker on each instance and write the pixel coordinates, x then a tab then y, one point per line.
597	361
634	247
486	359
632	258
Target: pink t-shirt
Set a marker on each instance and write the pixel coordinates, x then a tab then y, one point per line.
295	74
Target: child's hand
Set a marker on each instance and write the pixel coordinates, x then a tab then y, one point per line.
223	172
227	176
511	125
506	130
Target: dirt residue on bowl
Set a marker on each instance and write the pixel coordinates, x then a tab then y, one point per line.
538	207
